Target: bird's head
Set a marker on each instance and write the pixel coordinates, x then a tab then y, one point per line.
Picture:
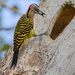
34	8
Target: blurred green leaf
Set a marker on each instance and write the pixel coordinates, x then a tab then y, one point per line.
15	7
1	43
6	47
0	59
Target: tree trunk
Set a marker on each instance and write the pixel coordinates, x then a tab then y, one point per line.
51	54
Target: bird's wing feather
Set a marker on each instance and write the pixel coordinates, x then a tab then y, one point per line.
22	30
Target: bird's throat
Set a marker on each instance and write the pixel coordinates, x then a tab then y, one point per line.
30	15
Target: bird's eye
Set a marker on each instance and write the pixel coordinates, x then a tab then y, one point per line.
36	8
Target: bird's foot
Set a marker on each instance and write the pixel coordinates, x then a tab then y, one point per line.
46	33
35	35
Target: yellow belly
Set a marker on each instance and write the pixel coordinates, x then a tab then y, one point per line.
29	36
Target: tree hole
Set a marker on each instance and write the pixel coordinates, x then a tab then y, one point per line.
66	15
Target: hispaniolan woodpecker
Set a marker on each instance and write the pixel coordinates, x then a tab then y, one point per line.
24	30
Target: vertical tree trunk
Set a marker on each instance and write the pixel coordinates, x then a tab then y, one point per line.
52	54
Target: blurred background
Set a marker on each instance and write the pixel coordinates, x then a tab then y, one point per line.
10	12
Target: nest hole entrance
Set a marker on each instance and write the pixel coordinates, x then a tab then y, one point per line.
64	18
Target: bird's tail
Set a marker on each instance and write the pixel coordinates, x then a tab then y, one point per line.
15	57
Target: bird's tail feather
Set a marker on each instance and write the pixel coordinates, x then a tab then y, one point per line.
15	57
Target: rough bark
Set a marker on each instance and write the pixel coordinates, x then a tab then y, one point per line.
47	55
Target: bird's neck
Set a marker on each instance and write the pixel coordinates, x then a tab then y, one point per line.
30	15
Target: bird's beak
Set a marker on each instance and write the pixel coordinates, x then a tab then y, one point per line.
42	13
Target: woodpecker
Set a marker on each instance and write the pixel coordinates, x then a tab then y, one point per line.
24	30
